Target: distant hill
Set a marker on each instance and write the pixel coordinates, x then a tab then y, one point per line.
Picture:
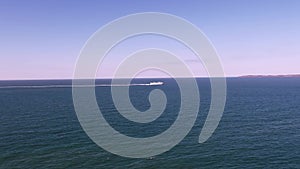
264	76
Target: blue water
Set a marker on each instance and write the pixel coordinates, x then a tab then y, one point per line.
260	127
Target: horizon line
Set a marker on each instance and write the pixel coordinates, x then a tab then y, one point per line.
108	78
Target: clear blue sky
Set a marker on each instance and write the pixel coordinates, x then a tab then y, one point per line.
42	39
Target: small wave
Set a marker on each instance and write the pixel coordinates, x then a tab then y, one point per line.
69	86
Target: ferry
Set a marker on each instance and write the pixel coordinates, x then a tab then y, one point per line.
156	83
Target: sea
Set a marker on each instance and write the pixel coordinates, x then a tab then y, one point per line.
260	126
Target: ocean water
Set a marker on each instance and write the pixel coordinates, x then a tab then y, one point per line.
260	127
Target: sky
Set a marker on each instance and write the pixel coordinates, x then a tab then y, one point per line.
42	39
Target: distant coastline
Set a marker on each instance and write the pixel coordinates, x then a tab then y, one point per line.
268	76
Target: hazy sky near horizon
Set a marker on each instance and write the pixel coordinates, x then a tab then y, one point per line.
42	39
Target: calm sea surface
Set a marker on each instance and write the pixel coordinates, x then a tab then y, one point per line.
260	127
